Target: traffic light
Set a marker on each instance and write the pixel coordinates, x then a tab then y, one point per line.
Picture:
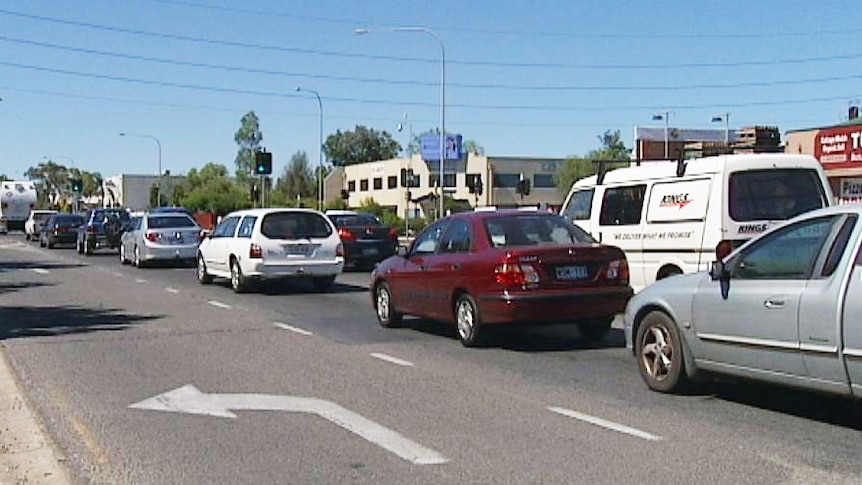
77	185
254	193
345	194
262	163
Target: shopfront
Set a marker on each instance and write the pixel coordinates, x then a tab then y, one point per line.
839	149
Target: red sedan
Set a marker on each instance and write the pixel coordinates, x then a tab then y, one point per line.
483	268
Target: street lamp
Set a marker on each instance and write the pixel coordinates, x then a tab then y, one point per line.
319	147
159	145
726	119
664	115
442	90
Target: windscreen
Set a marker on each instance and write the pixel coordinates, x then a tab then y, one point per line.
162	222
295	225
355	220
774	194
534	230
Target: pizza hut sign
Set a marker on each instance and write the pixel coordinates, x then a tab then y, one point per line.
839	146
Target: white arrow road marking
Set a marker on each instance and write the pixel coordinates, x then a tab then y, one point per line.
188	399
40	271
621	428
219	304
392	360
140	280
172	290
285	326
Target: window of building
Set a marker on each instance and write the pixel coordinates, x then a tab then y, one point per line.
449	180
363	185
544	181
392	182
506	180
351	186
378	183
471	179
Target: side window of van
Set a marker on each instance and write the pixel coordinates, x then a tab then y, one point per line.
622	206
580	205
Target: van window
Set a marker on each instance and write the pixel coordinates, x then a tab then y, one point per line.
774	194
580	205
622	206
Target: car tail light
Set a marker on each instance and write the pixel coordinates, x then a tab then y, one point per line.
255	251
512	273
339	250
723	248
92	229
153	236
393	234
618	270
346	234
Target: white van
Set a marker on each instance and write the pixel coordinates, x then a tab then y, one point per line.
17	199
677	217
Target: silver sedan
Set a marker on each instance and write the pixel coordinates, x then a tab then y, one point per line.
784	308
160	237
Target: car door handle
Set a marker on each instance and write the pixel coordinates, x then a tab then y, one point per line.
773	303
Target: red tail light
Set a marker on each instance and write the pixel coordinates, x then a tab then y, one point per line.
393	234
153	236
723	248
92	229
339	250
346	234
255	251
512	273
618	270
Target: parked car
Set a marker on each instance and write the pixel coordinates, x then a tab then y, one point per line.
60	229
35	221
497	267
162	236
259	244
102	228
367	241
784	308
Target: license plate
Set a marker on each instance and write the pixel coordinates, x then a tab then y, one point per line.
369	251
570	273
298	249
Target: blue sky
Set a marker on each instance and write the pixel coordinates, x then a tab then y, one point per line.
540	79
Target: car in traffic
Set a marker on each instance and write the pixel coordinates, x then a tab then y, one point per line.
784	308
478	269
102	228
367	241
255	245
160	236
35	221
60	228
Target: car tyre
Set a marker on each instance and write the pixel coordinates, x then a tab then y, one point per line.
41	242
50	244
204	278
595	329
468	321
139	263
238	281
88	248
659	353
386	314
123	258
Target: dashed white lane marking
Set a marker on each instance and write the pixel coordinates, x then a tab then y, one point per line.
172	290
291	328
392	360
40	271
118	275
620	428
219	304
140	280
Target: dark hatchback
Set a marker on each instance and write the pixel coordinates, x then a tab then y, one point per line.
366	240
60	229
485	268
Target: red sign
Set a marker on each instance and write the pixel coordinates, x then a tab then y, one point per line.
839	147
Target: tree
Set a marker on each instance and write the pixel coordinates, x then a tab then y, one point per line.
612	148
4	177
360	146
209	189
472	146
297	180
248	138
576	168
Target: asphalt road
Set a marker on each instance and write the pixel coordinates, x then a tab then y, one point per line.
89	338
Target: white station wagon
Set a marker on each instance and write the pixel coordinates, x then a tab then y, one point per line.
258	244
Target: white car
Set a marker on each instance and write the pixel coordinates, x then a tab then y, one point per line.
258	244
33	224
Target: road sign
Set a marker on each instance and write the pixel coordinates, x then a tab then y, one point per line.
189	400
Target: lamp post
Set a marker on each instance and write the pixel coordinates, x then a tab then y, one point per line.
664	115
319	147
726	119
159	146
442	90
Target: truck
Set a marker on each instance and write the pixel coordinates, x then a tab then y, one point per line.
17	199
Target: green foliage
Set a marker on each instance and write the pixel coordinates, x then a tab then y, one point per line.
4	177
612	148
248	138
360	146
576	168
297	179
209	189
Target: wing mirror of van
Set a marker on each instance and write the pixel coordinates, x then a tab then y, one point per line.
718	271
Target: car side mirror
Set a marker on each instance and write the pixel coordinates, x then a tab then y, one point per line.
718	271
401	251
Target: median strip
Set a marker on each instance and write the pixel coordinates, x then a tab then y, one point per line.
219	304
291	328
392	360
620	428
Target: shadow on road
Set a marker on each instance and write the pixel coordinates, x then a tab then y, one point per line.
6	266
288	286
11	287
28	321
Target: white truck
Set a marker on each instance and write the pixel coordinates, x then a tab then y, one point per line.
17	199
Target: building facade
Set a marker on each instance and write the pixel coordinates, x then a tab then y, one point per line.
839	149
133	191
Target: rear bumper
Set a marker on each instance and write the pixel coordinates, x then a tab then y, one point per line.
169	253
62	238
360	253
259	269
99	241
556	307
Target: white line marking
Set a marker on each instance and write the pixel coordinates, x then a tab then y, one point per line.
219	304
172	290
285	326
392	360
140	280
118	275
621	428
40	271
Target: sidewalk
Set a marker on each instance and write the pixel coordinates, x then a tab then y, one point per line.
27	455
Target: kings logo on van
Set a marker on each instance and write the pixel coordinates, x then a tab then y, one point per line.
675	200
751	228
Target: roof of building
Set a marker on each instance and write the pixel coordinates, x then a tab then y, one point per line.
857	121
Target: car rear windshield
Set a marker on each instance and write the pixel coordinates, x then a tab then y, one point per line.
774	194
534	230
67	220
355	220
294	225
102	215
162	222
